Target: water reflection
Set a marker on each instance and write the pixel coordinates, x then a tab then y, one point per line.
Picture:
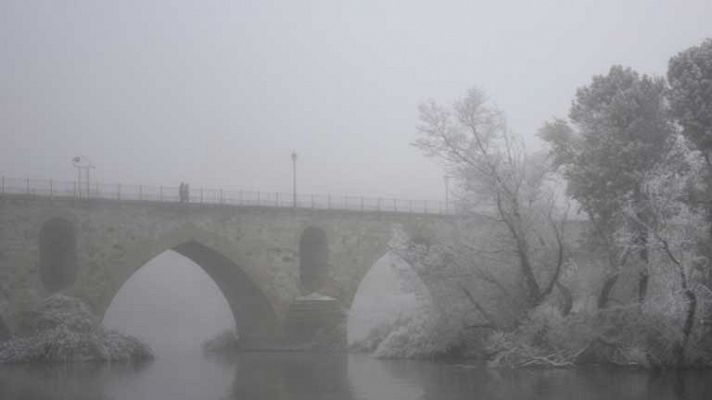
297	376
292	376
61	382
430	381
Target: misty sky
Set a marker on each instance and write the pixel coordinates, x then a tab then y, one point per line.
219	93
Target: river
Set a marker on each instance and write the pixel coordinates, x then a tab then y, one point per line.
296	376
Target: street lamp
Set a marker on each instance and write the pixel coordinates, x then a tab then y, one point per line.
294	179
82	162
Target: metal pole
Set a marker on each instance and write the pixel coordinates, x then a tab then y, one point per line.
294	179
78	185
160	193
51	190
88	184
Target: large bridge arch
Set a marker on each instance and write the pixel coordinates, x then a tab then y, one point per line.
252	309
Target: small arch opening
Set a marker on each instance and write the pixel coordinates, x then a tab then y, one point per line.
391	297
58	254
313	259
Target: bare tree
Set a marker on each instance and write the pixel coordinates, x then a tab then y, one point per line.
500	182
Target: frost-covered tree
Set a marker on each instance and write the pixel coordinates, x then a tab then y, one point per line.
495	174
674	229
619	130
690	78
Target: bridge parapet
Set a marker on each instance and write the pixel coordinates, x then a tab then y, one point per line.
50	188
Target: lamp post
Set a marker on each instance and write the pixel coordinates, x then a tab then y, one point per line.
82	162
294	179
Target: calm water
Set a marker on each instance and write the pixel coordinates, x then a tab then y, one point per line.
291	376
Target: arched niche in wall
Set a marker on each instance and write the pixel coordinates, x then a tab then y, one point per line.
313	259
58	254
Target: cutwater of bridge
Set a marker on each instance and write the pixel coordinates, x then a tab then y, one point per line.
261	258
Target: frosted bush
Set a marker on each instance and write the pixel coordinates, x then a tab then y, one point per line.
63	329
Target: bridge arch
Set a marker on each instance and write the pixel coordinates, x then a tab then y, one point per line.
251	308
390	293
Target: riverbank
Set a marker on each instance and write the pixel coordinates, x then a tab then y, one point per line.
623	336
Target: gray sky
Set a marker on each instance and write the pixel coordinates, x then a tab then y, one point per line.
219	93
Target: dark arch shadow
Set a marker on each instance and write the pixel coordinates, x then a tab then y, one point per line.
58	254
313	259
251	310
250	307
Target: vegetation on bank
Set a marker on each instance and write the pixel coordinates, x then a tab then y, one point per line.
630	286
225	342
63	329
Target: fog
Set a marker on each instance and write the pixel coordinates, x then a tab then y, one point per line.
220	93
597	258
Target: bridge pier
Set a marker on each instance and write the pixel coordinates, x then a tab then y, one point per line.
315	320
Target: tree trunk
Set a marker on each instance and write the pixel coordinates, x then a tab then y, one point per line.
568	300
689	324
643	279
605	294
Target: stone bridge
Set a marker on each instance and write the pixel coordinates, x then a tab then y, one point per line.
261	258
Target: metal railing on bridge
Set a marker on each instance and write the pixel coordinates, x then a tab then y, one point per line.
201	195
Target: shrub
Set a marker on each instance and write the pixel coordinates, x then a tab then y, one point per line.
626	336
224	342
63	329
